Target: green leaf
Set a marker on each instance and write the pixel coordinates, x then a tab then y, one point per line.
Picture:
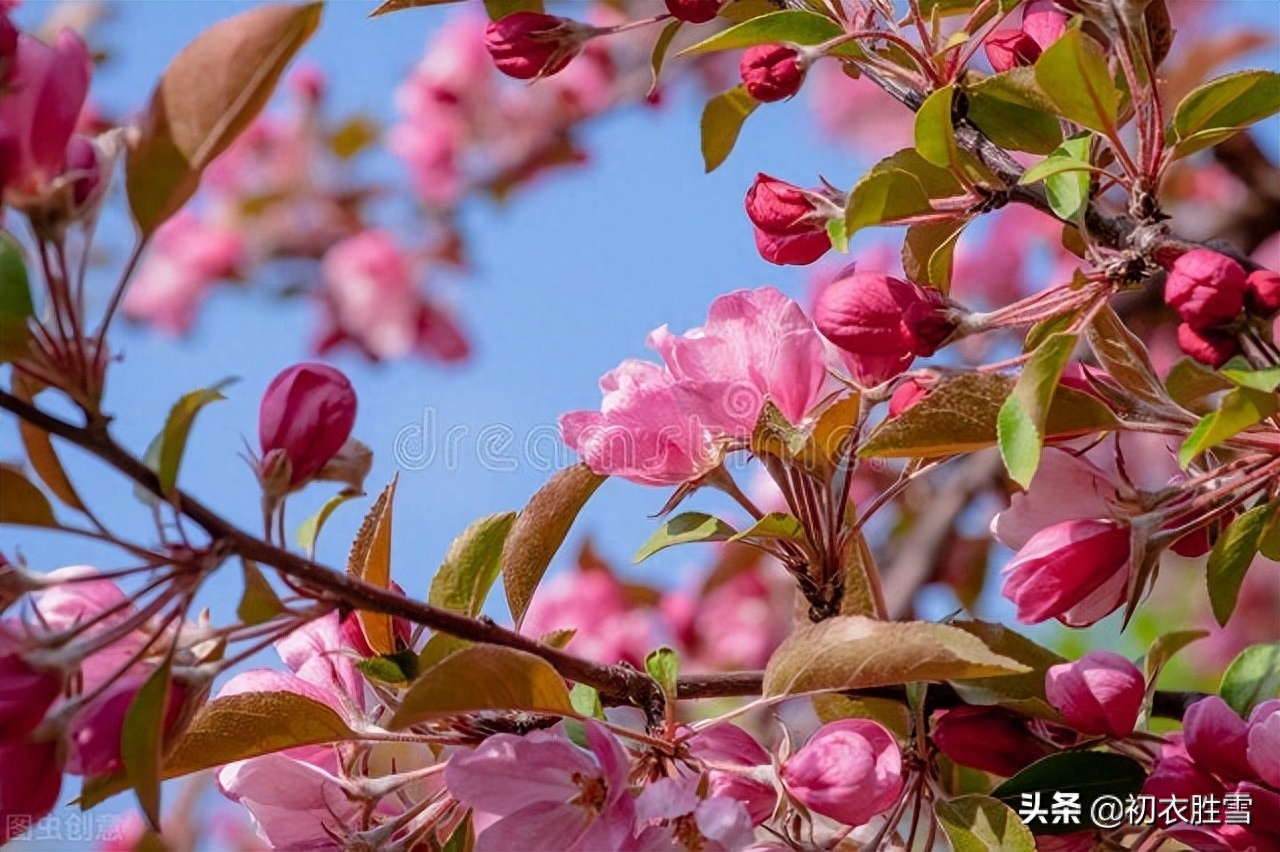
855	652
1011	110
1221	107
16	306
775	525
1231	556
21	503
1269	543
1066	175
897	188
935	134
1163	649
141	741
586	701
664	667
259	602
1073	73
539	530
395	669
1266	380
309	530
976	823
1189	382
472	565
928	252
1091	774
722	120
835	232
236	727
683	529
207	96
483	677
439	646
960	415
659	55
1239	409
1023	693
791	25
1020	424
370	561
1252	678
177	428
1125	358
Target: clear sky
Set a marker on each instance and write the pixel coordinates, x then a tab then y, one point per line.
569	278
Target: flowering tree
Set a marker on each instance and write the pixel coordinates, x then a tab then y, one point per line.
879	415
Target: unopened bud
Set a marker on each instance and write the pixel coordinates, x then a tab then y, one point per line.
771	72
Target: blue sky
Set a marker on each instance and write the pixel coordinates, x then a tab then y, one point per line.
569	278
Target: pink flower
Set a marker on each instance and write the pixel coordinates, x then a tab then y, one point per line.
1099	694
610	628
40	100
30	780
694	11
771	72
1007	49
1066	487
294	796
686	820
987	738
1217	739
527	45
1262	292
881	323
729	745
905	396
1208	346
1263	750
26	694
1205	288
186	259
850	771
663	426
550	794
1075	571
95	731
1043	21
790	222
306	415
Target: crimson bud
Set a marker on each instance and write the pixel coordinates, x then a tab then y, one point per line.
1262	292
771	72
790	222
1099	694
987	738
529	45
307	414
1208	346
693	11
1205	288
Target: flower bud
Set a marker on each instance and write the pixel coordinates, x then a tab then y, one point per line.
1217	739
307	413
1043	22
354	636
1074	571
1208	346
1262	292
96	730
906	395
850	771
85	168
1099	694
771	72
790	224
1008	49
1264	742
26	694
694	11
871	314
1205	288
530	45
987	738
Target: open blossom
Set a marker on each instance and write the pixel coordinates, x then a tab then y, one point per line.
1099	694
549	793
43	90
671	814
728	745
661	425
850	771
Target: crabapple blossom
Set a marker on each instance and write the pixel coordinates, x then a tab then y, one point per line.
1010	48
95	731
790	223
1099	694
906	395
988	738
1262	292
30	780
1209	346
1264	742
1074	571
306	415
526	45
26	694
694	11
548	793
1205	288
728	745
670	811
850	771
771	72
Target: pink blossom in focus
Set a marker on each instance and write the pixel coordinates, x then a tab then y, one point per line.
549	793
1099	694
726	744
306	414
188	256
1075	571
850	771
1066	487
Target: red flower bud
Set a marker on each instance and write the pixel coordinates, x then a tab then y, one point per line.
25	696
905	396
987	738
874	315
1210	347
1205	288
771	72
307	413
849	770
1099	694
694	11
1073	571
790	226
528	45
1007	49
1262	292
